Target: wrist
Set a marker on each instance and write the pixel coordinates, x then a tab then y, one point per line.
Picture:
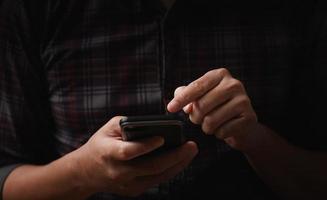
77	173
263	140
255	140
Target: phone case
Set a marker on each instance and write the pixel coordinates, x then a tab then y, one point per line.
167	126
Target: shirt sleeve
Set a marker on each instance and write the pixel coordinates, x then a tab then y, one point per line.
25	119
308	103
4	172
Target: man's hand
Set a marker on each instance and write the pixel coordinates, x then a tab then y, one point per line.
109	164
105	163
218	103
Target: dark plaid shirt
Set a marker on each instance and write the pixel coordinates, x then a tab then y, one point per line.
68	66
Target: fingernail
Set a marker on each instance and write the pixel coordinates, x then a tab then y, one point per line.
188	109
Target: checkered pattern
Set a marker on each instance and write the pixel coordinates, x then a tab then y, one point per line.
67	67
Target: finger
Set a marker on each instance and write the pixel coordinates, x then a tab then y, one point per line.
227	89
188	108
196	89
140	184
112	127
160	163
232	109
127	150
236	127
168	173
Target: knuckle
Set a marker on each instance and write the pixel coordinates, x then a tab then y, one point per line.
122	153
208	124
115	176
205	128
178	90
244	102
212	72
198	112
209	120
221	133
195	118
223	71
234	85
103	157
201	107
198	85
182	98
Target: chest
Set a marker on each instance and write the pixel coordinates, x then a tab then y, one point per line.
126	62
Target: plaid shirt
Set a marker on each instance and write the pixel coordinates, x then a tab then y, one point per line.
67	67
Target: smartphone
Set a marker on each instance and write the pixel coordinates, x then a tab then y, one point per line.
170	127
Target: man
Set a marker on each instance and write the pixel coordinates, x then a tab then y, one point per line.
70	69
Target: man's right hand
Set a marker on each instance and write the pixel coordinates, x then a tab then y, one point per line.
106	163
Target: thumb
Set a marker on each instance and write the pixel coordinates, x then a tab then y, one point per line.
112	127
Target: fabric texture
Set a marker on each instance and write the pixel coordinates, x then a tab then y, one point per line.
4	172
67	67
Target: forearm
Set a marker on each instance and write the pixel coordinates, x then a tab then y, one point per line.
293	173
57	180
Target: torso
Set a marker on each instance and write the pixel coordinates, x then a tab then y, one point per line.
122	65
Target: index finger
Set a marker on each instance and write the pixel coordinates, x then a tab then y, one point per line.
127	150
197	89
159	163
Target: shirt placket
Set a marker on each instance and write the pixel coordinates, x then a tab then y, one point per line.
164	188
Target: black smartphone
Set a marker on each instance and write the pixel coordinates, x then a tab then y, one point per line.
170	127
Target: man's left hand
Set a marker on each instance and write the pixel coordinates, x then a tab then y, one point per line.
219	103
